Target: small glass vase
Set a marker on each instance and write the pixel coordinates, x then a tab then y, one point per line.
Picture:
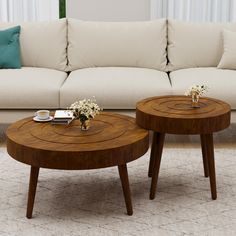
195	101
84	125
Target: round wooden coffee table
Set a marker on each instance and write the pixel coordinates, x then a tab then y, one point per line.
112	140
174	115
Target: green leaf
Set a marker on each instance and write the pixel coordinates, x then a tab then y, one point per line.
62	8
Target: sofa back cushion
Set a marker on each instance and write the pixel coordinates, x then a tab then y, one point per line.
128	44
195	44
228	60
43	44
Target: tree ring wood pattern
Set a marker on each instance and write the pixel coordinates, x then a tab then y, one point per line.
111	140
174	115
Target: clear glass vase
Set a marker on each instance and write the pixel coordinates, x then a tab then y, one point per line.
195	100
84	125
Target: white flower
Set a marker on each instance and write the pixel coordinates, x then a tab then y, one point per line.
85	109
198	90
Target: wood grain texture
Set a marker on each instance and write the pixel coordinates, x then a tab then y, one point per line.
153	153
159	142
174	115
204	155
211	164
111	140
34	173
125	186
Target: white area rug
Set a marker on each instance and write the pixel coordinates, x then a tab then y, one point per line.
91	202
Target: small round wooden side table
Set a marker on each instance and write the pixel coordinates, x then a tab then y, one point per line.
112	140
174	115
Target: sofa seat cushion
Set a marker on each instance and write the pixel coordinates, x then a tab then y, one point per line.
114	87
30	88
221	83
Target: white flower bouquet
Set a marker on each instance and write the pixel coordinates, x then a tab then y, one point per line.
196	91
84	110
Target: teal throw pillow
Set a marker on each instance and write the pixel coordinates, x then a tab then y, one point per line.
10	48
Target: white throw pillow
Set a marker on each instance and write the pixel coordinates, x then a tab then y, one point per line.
228	60
117	44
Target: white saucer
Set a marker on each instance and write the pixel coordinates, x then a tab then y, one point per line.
40	120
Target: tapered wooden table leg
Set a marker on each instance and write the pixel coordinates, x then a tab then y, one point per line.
211	164
204	155
152	156
32	190
159	142
126	190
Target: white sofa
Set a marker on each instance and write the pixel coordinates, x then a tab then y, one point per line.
119	63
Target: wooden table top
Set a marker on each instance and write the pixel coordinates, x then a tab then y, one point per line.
174	115
111	140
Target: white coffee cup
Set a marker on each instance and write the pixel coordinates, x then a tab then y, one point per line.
42	114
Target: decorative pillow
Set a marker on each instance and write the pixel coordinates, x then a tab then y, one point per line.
228	59
10	48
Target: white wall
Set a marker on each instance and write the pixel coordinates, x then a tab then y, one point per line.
109	10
